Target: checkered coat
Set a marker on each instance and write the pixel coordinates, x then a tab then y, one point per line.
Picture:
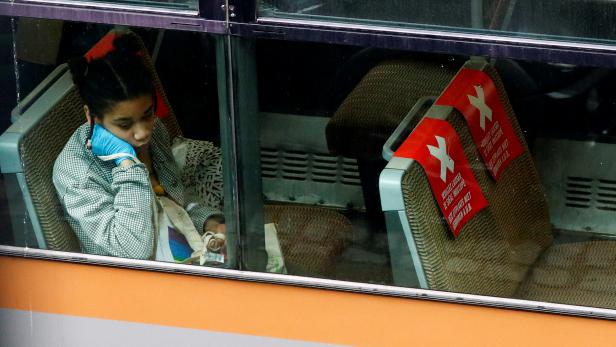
110	207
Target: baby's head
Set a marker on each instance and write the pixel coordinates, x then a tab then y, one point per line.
118	92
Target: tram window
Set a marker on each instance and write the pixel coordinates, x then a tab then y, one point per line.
567	20
326	111
162	197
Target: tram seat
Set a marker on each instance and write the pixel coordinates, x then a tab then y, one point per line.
53	111
508	249
373	109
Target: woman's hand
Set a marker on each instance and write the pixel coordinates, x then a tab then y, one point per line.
104	143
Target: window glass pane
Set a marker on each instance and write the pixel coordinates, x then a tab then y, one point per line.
151	185
534	218
7	102
553	19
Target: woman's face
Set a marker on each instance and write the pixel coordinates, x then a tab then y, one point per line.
131	120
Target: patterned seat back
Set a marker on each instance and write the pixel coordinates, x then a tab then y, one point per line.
496	248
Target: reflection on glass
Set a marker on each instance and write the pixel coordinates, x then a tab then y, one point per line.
104	167
186	6
172	5
567	20
8	99
344	209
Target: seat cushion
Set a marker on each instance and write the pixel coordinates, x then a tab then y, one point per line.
311	238
580	273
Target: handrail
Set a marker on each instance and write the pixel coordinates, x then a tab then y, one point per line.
394	138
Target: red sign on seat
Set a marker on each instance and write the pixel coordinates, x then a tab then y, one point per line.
436	146
474	94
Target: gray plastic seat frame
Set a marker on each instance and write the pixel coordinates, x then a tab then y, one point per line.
407	268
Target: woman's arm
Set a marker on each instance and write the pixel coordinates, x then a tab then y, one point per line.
116	219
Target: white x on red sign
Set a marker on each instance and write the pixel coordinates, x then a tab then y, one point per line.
440	153
479	102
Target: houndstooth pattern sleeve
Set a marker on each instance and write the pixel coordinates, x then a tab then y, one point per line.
115	222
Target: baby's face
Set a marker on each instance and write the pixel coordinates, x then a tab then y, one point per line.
131	120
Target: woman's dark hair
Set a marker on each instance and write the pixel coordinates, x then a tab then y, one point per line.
118	76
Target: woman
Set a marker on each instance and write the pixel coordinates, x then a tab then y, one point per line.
116	177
